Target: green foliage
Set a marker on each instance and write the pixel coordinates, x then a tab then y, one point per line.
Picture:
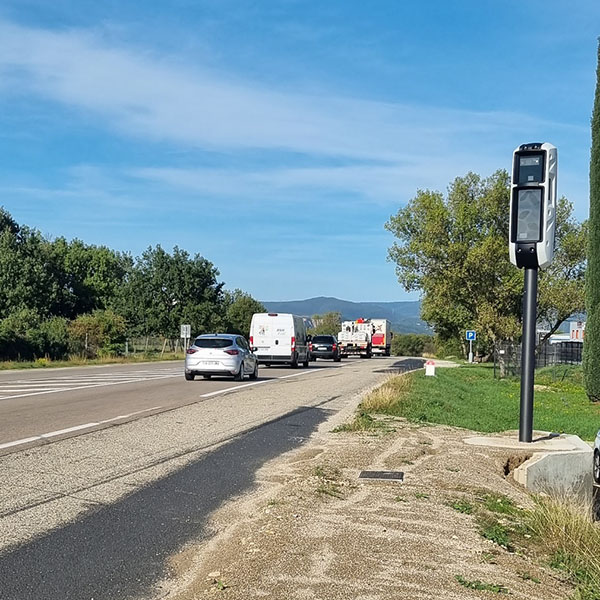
165	290
17	334
51	339
499	503
562	285
101	333
462	506
240	308
412	344
496	532
329	323
454	250
591	347
55	294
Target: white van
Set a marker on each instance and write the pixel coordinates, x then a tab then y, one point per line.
278	338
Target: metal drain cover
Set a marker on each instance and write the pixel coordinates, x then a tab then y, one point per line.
387	475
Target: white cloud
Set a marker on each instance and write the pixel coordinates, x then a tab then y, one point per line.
159	100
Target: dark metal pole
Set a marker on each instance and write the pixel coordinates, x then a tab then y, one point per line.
528	354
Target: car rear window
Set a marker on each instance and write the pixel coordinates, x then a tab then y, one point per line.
213	343
322	339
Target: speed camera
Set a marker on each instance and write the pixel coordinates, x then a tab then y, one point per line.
533	205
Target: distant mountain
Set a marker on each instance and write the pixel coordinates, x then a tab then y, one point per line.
404	316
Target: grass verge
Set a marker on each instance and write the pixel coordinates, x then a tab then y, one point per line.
44	363
470	397
572	541
556	531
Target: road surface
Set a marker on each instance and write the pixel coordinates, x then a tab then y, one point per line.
101	513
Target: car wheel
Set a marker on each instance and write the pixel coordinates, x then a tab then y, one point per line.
305	362
337	359
254	374
189	376
206	376
240	376
597	466
294	363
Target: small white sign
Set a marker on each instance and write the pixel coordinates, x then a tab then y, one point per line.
430	368
186	331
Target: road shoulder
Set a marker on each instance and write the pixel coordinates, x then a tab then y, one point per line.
313	529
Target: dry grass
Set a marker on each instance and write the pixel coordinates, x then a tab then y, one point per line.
382	399
572	539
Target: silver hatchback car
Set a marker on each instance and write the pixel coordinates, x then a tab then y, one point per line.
221	354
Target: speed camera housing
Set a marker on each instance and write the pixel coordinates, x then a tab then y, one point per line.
533	205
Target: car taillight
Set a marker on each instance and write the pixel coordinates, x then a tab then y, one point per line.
310	346
334	346
232	352
293	343
191	351
251	340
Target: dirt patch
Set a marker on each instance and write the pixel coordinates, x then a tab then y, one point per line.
514	462
313	530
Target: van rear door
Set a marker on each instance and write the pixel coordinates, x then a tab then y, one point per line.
272	334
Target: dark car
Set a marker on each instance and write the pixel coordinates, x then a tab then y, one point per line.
324	346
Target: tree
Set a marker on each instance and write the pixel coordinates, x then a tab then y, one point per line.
454	251
328	324
561	289
591	346
240	308
165	290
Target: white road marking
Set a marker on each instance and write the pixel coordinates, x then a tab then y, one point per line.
24	388
301	373
51	434
237	387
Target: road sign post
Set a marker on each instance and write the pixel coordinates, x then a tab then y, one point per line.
531	247
471	336
186	334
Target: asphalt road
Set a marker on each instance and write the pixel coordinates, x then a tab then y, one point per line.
38	407
101	515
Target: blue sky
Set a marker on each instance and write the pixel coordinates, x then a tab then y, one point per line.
276	137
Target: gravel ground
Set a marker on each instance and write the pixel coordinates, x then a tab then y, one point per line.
313	531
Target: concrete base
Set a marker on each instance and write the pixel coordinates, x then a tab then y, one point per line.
560	465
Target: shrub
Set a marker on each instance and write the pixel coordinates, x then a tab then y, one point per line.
101	333
411	344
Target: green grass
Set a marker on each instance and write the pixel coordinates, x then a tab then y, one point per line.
44	363
499	503
462	506
470	397
496	532
481	585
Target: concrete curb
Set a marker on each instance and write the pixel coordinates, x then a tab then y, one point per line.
559	466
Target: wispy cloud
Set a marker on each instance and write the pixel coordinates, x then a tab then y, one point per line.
152	98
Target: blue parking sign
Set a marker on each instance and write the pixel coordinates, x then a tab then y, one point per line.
471	335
